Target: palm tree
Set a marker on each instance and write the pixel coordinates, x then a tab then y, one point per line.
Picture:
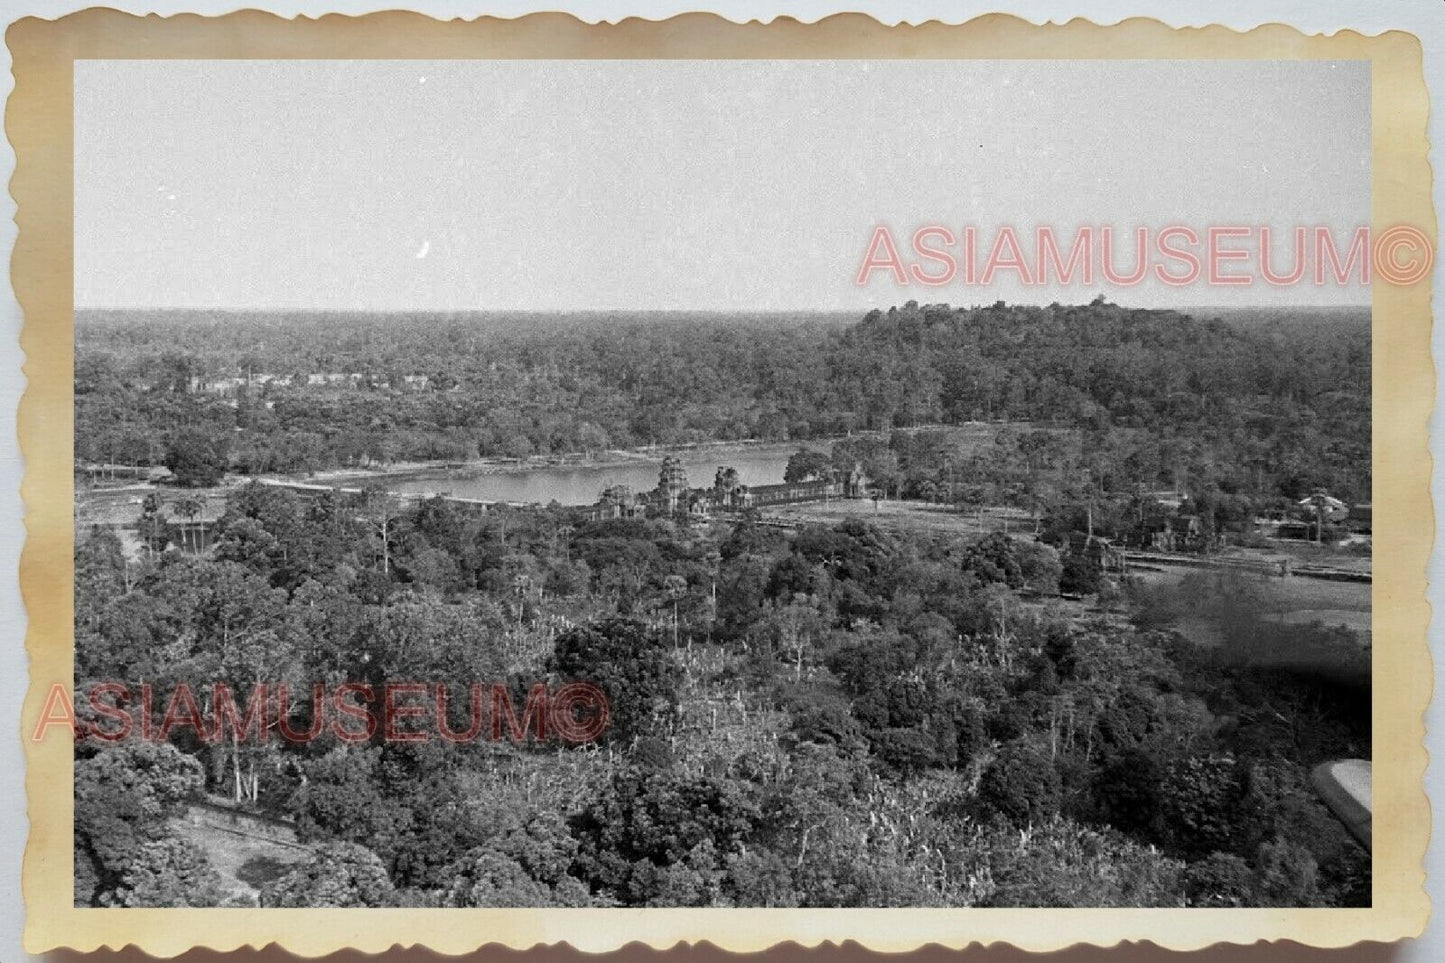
154	531
676	587
521	587
189	507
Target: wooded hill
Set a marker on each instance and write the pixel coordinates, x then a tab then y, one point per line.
1178	401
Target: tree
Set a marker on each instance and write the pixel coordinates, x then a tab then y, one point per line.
1082	575
1220	880
1059	863
189	508
1040	567
885	722
152	526
485	878
1022	784
725	481
994	558
344	797
632	665
337	875
196	459
102	572
125	796
808	465
1198	803
167	872
525	862
659	838
381	513
1127	791
592	438
1286	874
675	586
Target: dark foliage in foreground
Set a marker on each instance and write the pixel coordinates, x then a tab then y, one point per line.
832	716
876	721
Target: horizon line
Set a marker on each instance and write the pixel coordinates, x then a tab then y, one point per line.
273	309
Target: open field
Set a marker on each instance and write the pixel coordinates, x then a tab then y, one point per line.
1290	595
904	516
1209	612
244	862
1305	554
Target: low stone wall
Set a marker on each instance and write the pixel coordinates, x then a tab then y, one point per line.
226	816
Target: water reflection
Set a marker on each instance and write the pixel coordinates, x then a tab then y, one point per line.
581	485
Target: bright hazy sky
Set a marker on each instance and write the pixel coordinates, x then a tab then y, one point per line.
676	185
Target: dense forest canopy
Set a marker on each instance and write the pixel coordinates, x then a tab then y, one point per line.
1276	408
835	716
803	714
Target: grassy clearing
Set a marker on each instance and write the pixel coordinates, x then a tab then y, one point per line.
903	515
1300	624
244	863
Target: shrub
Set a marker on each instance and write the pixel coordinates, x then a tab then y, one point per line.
1021	784
1082	575
630	663
337	875
1219	880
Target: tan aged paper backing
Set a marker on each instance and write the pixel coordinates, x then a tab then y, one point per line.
39	125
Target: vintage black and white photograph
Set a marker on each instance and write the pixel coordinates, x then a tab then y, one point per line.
718	483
